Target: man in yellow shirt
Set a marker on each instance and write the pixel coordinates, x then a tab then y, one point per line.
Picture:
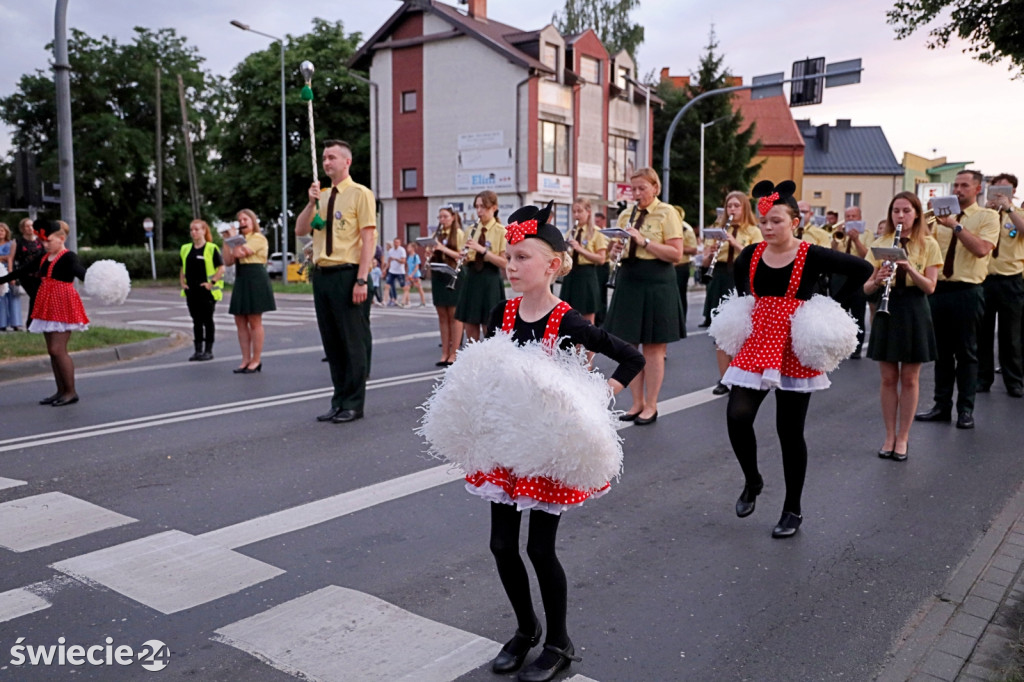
967	240
808	231
1004	297
342	257
851	242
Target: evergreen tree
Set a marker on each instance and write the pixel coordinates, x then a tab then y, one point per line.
609	19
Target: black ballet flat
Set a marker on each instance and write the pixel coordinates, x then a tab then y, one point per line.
627	417
748	499
545	667
61	402
441	363
512	655
641	421
50	400
900	456
885	454
787	525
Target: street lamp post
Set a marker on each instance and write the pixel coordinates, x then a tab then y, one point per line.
701	209
284	156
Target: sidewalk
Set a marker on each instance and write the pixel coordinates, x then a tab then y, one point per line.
970	631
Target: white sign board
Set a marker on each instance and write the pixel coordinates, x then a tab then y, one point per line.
475	159
484	140
554	185
478	181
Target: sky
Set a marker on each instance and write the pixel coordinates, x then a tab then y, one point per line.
928	102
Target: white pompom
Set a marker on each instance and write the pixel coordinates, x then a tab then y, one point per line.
108	281
731	322
3	287
519	407
823	334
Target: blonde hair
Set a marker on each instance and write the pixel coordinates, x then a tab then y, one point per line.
648	174
6	231
585	203
746	216
252	216
550	253
23	222
64	227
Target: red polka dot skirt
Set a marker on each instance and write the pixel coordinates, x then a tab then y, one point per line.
58	306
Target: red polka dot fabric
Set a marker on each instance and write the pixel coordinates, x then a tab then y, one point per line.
770	345
58	301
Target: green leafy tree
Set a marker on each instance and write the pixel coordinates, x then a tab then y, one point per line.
729	145
992	27
249	140
113	116
609	19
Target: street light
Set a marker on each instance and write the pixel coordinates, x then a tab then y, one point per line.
284	155
702	127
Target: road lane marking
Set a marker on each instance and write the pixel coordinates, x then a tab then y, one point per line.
10	483
20	602
42	520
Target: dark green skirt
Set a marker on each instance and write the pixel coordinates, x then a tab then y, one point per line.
722	282
251	294
646	307
439	291
580	289
906	333
479	292
602	303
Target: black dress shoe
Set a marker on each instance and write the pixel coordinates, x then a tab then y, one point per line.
329	415
748	498
49	401
253	370
936	414
551	662
61	402
787	525
885	454
704	325
627	417
900	456
965	420
984	389
644	421
440	363
206	356
512	655
1015	392
195	357
240	370
720	389
347	416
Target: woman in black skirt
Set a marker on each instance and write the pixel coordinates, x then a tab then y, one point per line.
589	249
251	294
448	250
904	338
646	309
481	287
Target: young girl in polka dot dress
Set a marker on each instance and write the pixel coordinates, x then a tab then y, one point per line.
536	255
57	310
780	273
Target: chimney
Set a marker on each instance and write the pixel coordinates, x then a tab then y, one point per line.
478	9
733	81
664	73
823	137
843	123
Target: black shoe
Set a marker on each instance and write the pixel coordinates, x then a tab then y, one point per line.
347	416
240	370
965	420
1015	392
551	662
641	421
900	456
440	363
936	414
748	498
885	454
855	355
253	370
61	402
984	388
720	389
49	401
206	356
512	655
627	417
787	525
195	356
704	325
329	415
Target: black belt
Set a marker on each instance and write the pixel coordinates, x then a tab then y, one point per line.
995	276
946	287
327	269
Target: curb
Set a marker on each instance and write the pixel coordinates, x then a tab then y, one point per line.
40	364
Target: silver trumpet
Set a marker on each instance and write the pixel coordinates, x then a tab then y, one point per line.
883	306
612	276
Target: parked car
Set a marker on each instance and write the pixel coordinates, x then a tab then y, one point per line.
274	267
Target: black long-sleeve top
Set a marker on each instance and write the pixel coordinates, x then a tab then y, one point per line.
66	270
769	281
575	330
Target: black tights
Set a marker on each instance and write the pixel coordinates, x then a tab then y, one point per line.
61	363
791	411
200	307
540	547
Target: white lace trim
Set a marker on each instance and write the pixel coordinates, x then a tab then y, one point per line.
772	378
40	326
495	493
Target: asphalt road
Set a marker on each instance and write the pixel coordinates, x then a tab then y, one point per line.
209	511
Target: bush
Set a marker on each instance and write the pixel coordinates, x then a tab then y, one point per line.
168	263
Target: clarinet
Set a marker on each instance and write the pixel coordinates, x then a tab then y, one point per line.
709	274
462	258
883	306
618	256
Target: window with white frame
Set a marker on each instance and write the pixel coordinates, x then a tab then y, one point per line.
549	58
852	199
554	148
621	158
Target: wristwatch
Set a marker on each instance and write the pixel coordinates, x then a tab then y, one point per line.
647	242
958	228
360	282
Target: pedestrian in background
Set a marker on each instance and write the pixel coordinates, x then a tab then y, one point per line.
413	276
202	285
10	301
28	248
251	294
396	271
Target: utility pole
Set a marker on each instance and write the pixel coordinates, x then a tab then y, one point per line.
193	181
159	166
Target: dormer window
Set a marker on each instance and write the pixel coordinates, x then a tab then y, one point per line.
590	70
549	58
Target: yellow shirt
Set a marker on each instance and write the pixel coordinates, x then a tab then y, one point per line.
812	234
455	243
1011	249
260	248
494	239
354	209
689	242
747	235
982	223
921	254
594	243
660	224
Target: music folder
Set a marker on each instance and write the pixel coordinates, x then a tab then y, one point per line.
614	233
237	240
716	233
426	241
888	253
443	268
943	206
996	190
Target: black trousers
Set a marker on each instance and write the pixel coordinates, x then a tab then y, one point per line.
345	333
957	309
200	307
683	280
1004	300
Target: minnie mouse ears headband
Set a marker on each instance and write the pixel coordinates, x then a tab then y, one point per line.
530	221
44	228
769	194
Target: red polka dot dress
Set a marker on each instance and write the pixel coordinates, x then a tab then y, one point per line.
536	492
767	360
58	307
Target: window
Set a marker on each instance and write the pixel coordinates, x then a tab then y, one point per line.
408	178
590	69
412	232
554	148
621	158
817	195
621	74
408	101
852	199
549	58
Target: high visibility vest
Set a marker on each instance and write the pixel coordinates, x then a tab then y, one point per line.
208	250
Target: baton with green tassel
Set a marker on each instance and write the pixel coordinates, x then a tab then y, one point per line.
307	96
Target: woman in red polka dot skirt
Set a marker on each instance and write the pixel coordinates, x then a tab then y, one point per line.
57	310
536	255
780	273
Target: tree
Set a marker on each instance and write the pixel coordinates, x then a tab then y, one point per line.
609	19
992	27
114	119
728	150
249	141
